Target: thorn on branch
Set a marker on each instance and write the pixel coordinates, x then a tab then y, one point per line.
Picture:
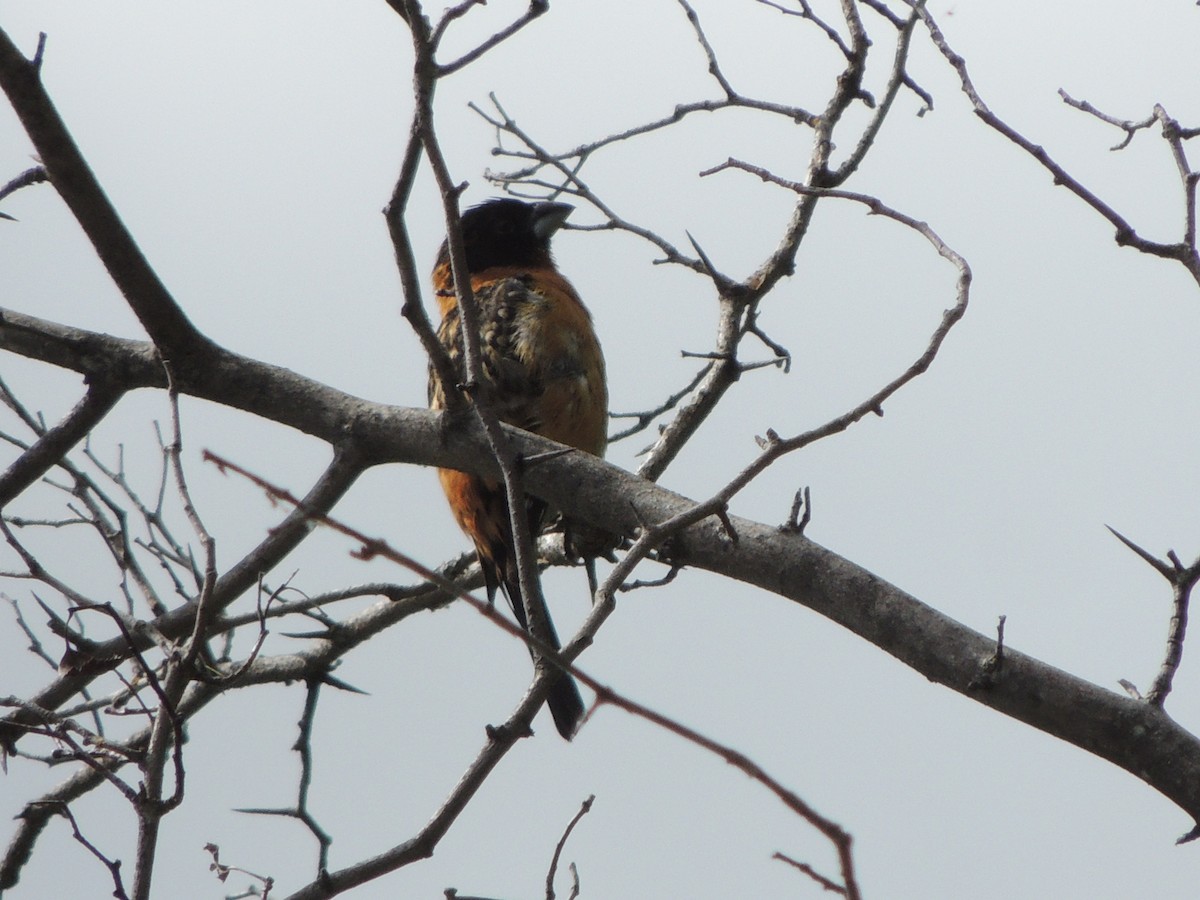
1131	689
707	354
529	462
725	285
769	441
990	669
1182	580
760	364
35	175
1190	836
796	523
39	54
343	685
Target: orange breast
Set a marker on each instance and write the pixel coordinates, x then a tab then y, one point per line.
547	373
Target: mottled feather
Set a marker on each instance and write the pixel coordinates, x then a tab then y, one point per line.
542	370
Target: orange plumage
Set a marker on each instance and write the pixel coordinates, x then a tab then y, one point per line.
544	372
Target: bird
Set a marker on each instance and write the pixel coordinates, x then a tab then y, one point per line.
543	371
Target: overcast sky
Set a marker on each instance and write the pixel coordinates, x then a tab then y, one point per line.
250	148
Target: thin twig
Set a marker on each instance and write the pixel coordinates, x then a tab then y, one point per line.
300	809
806	12
645	417
584	809
1129	127
113	865
873	405
812	873
1184	251
535	9
501	739
223	872
35	175
1183	580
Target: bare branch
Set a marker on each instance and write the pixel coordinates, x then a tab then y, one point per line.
1182	580
224	871
796	523
880	7
1177	631
873	404
585	489
1130	128
646	417
35	175
337	479
584	809
71	176
1163	569
102	760
300	810
52	444
805	11
572	182
714	68
426	73
113	865
35	644
812	873
501	739
1184	251
535	9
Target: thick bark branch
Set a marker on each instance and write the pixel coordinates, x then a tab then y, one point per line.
1129	733
56	442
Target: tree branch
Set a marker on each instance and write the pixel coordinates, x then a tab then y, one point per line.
53	444
72	177
1184	251
1135	736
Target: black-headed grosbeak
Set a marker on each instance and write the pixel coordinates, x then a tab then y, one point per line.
545	373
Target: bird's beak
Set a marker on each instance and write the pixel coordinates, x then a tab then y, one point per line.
549	217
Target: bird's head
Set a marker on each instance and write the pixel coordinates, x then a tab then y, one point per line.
507	232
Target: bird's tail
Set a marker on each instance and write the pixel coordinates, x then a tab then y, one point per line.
566	704
564	700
